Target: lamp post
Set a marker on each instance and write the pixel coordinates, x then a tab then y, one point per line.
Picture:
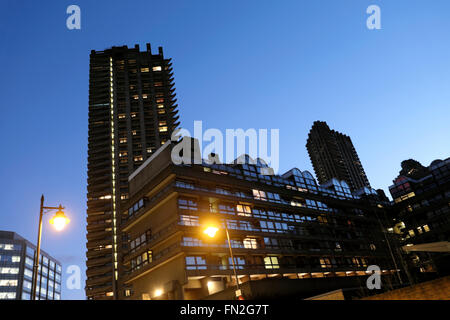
59	221
211	231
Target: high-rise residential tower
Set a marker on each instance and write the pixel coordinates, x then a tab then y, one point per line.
333	156
132	112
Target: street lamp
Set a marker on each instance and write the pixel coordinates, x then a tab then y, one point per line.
211	231
59	221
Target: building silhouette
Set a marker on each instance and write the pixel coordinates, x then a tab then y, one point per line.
421	213
333	156
132	112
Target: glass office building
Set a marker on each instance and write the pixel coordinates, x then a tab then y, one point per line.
16	270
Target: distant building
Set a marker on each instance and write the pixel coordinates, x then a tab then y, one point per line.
422	214
333	156
290	236
16	270
132	112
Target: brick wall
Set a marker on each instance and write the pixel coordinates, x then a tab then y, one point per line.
438	289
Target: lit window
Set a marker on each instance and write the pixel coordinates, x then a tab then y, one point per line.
271	263
244	210
145	69
163	129
259	195
7	295
6	270
250	243
138	158
8	283
123	140
157	68
426	228
325	263
189	220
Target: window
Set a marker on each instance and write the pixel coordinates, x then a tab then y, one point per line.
25	296
140	240
185	185
325	263
187	204
145	69
271	243
195	263
244	210
157	68
239	262
226	209
6	246
6	270
26	284
271	263
8	283
191	242
186	220
250	243
28	273
15	259
259	195
136	207
7	295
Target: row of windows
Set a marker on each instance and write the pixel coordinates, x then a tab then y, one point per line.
141	260
304	183
135	208
270	262
140	241
258	195
272	227
279	243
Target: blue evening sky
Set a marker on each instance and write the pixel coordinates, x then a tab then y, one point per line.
237	64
